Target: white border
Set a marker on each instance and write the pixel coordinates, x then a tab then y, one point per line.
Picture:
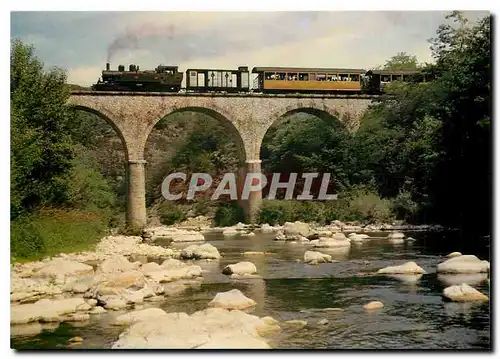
203	5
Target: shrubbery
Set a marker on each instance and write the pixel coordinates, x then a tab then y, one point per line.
170	213
53	231
228	214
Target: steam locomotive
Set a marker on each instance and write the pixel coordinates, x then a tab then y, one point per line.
266	80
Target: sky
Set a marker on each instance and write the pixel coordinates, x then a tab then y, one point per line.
83	41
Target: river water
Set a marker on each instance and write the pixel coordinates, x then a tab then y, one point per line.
414	314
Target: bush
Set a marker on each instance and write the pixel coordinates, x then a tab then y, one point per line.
360	204
228	214
278	212
201	207
170	213
50	231
404	207
25	240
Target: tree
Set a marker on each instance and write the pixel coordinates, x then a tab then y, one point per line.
401	61
40	145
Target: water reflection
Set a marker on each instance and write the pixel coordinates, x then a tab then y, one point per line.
414	314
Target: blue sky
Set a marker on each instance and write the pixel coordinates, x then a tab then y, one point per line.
81	42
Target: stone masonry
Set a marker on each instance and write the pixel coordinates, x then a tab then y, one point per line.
246	116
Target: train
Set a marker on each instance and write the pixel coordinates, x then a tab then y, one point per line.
278	80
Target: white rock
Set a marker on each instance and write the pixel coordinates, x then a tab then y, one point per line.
407	268
240	268
115	303
210	328
150	314
232	299
266	228
44	310
204	251
296	229
373	305
454	254
463	293
326	242
61	267
463	264
313	257
229	232
115	264
97	310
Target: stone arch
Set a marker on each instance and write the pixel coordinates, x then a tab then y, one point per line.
106	117
216	114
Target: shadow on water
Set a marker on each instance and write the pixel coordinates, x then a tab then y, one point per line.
414	315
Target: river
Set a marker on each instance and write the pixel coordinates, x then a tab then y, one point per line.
414	315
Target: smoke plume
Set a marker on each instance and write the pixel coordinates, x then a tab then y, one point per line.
131	38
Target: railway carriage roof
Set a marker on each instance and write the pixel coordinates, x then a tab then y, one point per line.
305	69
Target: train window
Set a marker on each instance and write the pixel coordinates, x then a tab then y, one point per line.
396	77
355	77
280	76
304	77
269	76
385	78
343	77
291	76
313	77
329	77
320	77
406	77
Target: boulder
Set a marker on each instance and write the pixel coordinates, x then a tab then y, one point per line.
373	305
232	299
407	268
229	232
463	264
212	328
296	229
59	267
45	310
454	254
313	257
150	314
203	251
333	242
240	268
463	293
116	264
266	228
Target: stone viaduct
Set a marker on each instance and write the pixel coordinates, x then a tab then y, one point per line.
246	116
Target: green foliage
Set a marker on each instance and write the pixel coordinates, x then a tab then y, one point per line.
277	212
201	207
401	61
228	214
53	231
25	241
170	213
87	188
41	150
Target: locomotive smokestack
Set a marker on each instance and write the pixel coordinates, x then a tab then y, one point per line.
107	66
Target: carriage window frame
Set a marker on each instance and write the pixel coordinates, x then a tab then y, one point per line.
343	76
357	77
312	76
303	76
321	76
281	76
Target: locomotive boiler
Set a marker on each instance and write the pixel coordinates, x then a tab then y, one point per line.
161	79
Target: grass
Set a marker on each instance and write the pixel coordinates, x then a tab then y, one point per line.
49	232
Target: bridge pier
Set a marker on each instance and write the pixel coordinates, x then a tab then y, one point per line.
136	201
252	205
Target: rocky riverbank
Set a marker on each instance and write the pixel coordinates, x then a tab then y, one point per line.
124	273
